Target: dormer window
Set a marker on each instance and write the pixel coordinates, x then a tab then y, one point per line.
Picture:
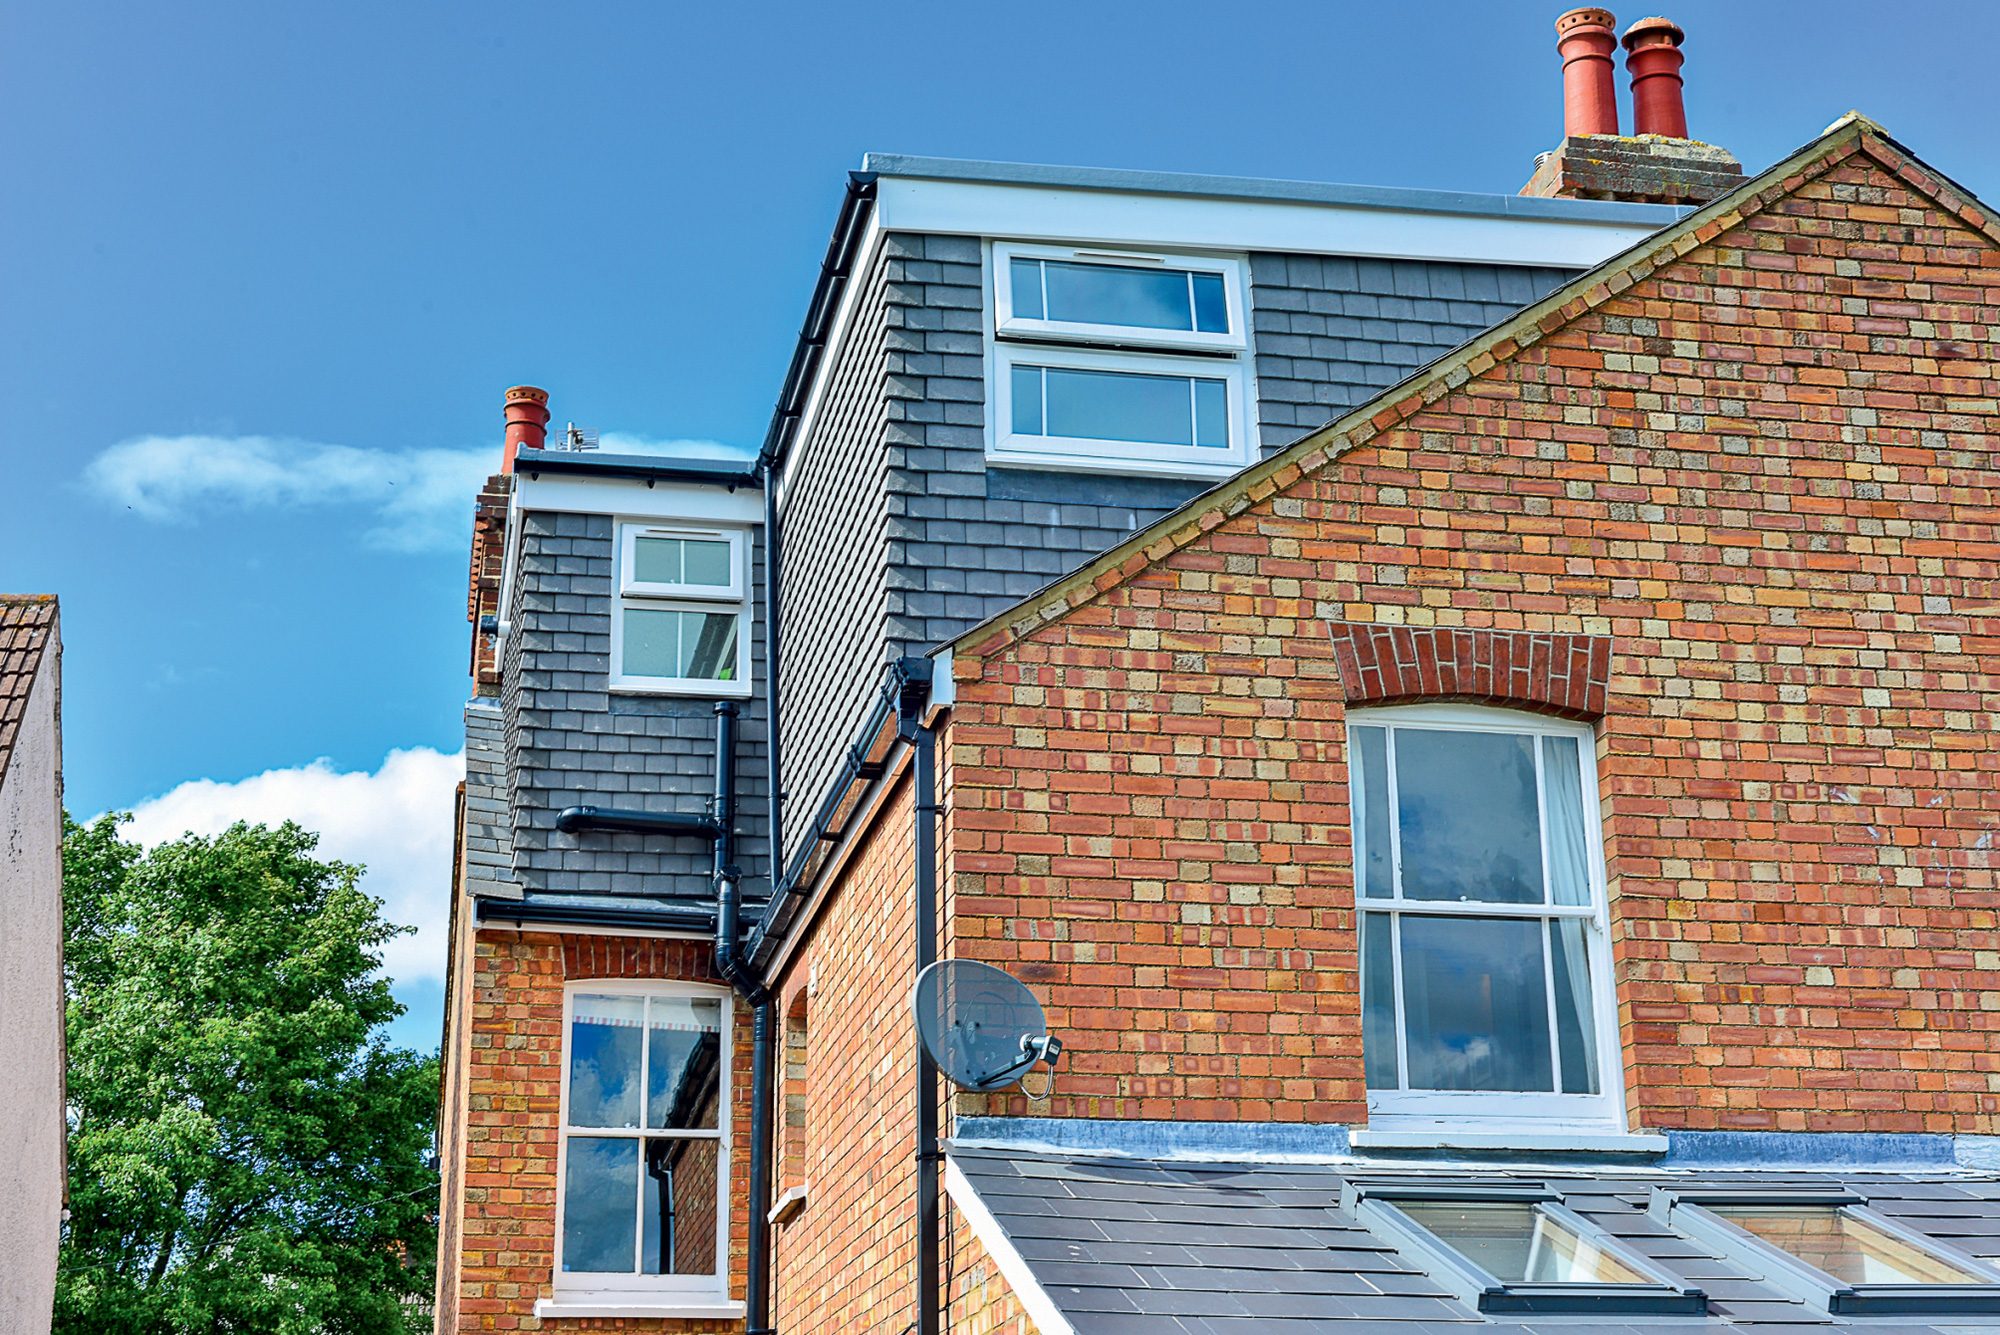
680	627
1132	362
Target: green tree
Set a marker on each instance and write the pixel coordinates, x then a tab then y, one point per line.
246	1151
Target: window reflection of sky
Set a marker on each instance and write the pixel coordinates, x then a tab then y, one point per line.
1475	1004
598	1216
611	1202
1468	815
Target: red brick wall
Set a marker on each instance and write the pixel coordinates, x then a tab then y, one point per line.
981	1301
1766	472
845	1264
513	1086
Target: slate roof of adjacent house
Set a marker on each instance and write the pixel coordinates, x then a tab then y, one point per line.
1387	411
27	628
1187	1248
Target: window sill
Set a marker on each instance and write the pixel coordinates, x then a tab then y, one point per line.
791	1201
638	1306
1127	467
1456	1138
693	690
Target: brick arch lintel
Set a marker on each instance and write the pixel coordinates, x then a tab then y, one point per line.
1565	675
591	956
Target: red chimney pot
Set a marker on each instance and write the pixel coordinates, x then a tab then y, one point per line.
1587	38
527	410
1653	59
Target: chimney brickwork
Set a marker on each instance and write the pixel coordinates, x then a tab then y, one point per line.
1657	163
1640	169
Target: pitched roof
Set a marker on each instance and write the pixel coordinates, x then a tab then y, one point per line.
1167	1247
1851	134
27	627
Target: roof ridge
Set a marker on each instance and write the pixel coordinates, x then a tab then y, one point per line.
1500	343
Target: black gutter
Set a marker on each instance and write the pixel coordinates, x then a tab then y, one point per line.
647	467
578	820
865	761
834	272
914	677
661	917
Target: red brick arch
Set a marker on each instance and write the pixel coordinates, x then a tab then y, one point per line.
1567	675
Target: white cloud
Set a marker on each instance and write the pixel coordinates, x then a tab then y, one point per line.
617	442
396	821
418	500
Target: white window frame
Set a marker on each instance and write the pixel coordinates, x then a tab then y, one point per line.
1443	1111
1008	324
631	593
704	1290
1060	452
1069	345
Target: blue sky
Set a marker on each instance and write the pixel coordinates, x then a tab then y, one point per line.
268	268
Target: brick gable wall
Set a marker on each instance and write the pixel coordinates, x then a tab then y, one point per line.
1766	473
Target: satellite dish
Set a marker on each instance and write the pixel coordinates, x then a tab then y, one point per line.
981	1025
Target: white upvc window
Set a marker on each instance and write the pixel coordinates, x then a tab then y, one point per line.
1120	361
681	622
642	1202
1116	297
1486	979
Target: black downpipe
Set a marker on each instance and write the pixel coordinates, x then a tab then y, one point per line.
729	963
912	699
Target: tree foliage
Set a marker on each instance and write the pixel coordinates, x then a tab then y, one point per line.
246	1152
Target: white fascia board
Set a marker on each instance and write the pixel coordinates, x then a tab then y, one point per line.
1034	1299
632	498
1103	217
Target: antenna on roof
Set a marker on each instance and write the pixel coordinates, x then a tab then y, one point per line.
579	437
981	1025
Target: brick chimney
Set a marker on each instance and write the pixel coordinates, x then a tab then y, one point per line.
527	410
1657	163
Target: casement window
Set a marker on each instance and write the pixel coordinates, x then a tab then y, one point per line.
1105	359
1485	973
681	623
1518	1249
1830	1249
643	1201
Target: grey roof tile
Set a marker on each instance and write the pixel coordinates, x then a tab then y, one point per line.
1228	1249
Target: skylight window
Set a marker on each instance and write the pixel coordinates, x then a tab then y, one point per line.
1518	1250
1833	1251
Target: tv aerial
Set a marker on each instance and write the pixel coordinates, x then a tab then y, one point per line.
982	1026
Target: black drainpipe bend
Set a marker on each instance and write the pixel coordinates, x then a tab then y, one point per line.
729	963
913	677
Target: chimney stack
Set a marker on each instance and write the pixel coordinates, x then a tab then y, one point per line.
1657	163
527	410
1587	39
1653	59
